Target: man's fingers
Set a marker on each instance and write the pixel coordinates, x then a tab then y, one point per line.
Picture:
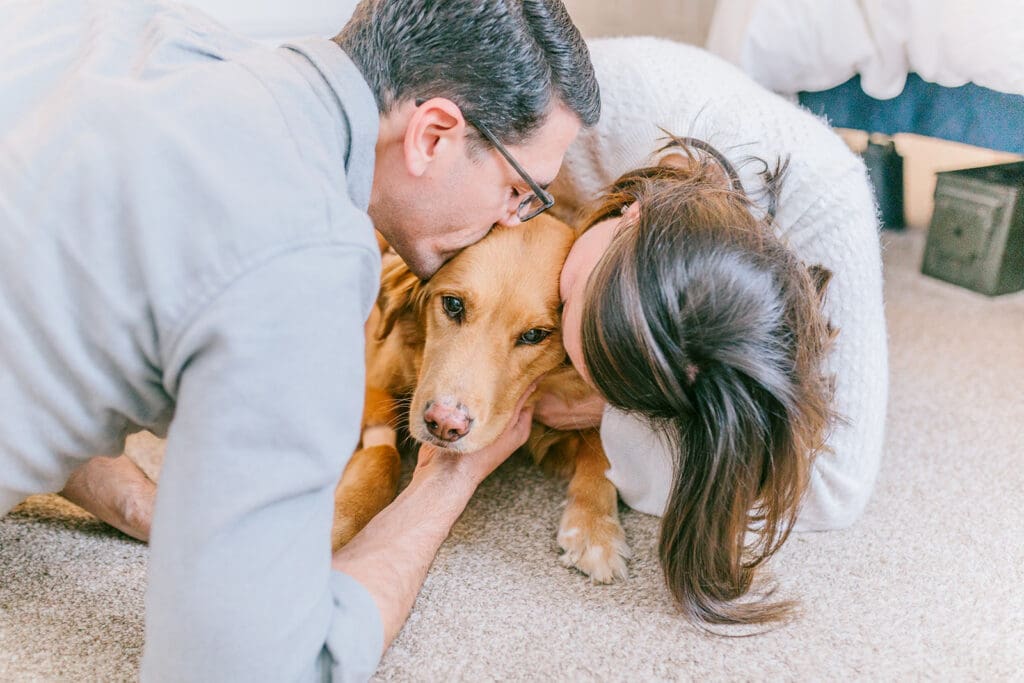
526	395
551	410
426	454
521	428
514	436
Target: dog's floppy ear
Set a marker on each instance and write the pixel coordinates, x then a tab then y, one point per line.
399	289
820	277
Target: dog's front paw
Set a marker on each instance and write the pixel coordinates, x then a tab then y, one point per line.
594	544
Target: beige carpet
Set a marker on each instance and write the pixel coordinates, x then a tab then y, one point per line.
928	585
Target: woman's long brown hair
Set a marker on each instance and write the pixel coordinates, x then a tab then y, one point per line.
699	319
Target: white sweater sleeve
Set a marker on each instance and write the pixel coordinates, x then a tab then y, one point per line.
826	214
840	232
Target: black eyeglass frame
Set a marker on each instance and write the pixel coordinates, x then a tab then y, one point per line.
547	200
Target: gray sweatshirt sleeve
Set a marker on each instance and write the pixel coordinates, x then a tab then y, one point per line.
268	380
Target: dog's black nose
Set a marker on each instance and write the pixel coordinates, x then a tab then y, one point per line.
447	422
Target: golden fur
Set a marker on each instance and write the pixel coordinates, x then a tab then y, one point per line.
508	283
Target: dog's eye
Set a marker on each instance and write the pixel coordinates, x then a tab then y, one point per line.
534	336
453	307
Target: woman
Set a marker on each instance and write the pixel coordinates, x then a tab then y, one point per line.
724	404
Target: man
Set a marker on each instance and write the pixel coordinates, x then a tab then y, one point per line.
185	248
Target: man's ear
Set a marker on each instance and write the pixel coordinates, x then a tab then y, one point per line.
436	127
399	290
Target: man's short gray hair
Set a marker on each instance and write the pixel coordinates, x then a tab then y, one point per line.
505	63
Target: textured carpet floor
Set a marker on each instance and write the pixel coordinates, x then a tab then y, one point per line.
929	584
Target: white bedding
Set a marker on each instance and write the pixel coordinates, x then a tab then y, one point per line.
794	45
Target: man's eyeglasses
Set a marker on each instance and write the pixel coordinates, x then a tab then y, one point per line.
533	204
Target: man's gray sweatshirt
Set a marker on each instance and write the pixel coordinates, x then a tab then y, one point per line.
184	248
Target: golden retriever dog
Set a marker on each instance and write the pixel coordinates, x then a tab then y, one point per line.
459	351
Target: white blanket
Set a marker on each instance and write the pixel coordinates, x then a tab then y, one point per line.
794	45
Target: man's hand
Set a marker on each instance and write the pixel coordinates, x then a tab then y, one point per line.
555	412
390	557
475	467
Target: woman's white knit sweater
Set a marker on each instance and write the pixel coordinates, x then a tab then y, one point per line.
826	213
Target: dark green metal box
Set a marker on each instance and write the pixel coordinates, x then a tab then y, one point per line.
976	237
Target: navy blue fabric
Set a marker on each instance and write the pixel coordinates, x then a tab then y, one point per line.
970	113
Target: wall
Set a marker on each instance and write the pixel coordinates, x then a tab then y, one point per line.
683	20
274	22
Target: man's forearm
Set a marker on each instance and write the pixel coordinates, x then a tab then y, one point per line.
116	491
391	556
